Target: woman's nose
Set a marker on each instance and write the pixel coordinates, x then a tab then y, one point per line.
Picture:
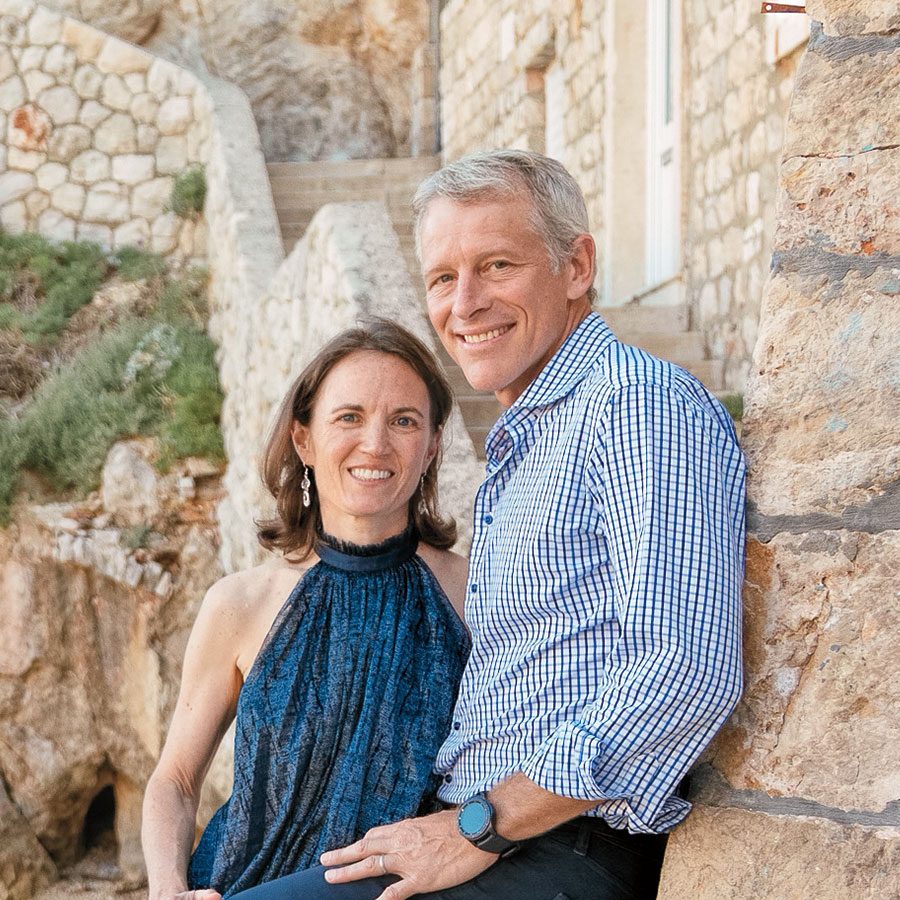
375	437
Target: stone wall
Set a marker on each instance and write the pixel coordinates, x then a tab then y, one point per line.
801	796
95	133
495	60
498	60
734	119
347	265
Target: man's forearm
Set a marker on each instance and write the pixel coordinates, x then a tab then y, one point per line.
167	836
523	809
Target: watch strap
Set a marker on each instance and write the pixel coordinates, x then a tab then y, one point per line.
494	843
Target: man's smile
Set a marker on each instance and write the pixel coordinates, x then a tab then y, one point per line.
482	336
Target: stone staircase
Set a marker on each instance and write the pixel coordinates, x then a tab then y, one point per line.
299	189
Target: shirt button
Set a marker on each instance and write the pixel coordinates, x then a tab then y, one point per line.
473	589
456	726
448	778
488	519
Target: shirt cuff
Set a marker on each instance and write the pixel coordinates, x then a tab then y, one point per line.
574	763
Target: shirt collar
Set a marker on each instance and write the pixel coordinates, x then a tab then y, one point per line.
570	365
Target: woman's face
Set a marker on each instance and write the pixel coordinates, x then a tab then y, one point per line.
369	441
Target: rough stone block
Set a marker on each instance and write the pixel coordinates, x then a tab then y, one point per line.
107	203
54	224
823	402
14	216
25	160
116	135
15	185
839	74
150	199
90	167
12	93
147	138
93	113
88	82
121	58
92	231
51	175
115	93
61	103
844	205
61	62
819	713
130	484
171	155
735	854
67	142
36	82
164	233
144	108
174	116
69	199
44	27
133	168
135	233
849	17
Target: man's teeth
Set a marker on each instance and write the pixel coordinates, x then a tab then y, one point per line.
370	474
484	336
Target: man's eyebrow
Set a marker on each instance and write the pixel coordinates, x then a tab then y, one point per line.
406	409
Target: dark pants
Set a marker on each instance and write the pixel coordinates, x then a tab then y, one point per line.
582	860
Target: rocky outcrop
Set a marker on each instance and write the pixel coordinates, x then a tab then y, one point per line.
326	80
96	606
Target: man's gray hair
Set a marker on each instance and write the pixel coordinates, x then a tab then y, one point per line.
558	212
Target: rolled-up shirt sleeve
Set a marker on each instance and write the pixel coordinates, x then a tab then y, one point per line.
668	478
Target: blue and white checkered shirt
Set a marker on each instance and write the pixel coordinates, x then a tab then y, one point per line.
604	593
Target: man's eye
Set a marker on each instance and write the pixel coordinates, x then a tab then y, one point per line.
500	264
348	417
405	421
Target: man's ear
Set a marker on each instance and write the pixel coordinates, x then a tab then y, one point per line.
581	267
302	444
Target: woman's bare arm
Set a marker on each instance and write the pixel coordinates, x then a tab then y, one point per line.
210	684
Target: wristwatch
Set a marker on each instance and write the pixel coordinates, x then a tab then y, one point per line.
475	820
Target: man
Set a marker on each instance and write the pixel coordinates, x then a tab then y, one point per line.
605	575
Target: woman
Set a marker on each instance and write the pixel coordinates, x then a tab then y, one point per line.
343	691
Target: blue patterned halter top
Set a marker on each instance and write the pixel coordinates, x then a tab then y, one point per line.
340	717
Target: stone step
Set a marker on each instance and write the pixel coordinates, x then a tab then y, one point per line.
632	318
349	168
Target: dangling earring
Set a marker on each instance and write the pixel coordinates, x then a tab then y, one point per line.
305	484
423	506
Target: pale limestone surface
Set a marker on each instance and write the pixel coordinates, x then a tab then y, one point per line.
93	639
807	804
820	709
737	855
325	80
78	111
841	17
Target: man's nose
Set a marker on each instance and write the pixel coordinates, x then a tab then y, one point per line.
470	296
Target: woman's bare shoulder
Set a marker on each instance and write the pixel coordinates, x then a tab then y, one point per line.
249	589
451	571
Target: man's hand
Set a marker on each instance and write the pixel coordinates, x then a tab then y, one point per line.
428	854
201	894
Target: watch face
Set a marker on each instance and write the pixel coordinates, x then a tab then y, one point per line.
474	818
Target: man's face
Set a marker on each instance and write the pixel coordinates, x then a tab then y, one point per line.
493	297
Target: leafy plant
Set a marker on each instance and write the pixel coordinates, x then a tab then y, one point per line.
189	193
734	405
137	264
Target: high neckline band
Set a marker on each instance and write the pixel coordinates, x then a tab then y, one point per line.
350	557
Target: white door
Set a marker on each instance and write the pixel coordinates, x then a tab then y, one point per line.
663	145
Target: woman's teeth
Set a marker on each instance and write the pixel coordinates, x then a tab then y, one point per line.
370	474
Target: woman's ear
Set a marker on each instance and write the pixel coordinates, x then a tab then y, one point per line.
433	446
302	444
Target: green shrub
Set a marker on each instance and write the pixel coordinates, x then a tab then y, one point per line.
734	405
189	193
82	409
136	264
10	463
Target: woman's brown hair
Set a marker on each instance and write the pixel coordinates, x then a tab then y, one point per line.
294	528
